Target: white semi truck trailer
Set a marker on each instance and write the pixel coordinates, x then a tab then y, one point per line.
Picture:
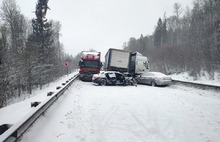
125	61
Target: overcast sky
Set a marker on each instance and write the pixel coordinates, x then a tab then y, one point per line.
103	24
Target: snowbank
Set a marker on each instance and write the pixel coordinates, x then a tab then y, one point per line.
204	78
14	112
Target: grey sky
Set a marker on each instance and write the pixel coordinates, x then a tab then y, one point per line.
102	24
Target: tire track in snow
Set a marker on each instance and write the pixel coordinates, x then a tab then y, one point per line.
108	117
132	125
149	131
103	124
124	124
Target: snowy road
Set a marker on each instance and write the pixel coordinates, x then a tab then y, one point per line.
89	113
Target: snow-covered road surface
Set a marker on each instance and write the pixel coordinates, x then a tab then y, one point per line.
89	113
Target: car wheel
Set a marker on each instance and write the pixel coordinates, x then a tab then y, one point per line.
153	83
103	82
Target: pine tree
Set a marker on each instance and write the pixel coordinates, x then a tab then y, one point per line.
177	11
41	40
164	32
158	34
142	44
132	44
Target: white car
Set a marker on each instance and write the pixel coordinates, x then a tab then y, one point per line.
154	79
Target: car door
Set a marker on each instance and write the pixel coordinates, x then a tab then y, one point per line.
146	78
112	78
150	78
120	78
141	79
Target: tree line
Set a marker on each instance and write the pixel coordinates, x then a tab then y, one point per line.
31	54
184	42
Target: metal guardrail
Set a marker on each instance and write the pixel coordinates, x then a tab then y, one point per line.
198	85
15	131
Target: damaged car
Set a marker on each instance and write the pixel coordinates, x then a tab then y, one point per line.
112	78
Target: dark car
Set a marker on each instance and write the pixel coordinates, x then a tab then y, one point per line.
111	78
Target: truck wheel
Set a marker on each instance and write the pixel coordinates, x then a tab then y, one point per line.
103	82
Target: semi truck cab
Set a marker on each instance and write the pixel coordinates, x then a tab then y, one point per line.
139	64
89	64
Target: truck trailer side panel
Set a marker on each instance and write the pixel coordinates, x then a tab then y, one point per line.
117	60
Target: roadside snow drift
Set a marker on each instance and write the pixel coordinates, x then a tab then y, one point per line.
90	113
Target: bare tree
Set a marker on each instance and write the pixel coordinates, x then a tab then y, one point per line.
3	66
15	23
